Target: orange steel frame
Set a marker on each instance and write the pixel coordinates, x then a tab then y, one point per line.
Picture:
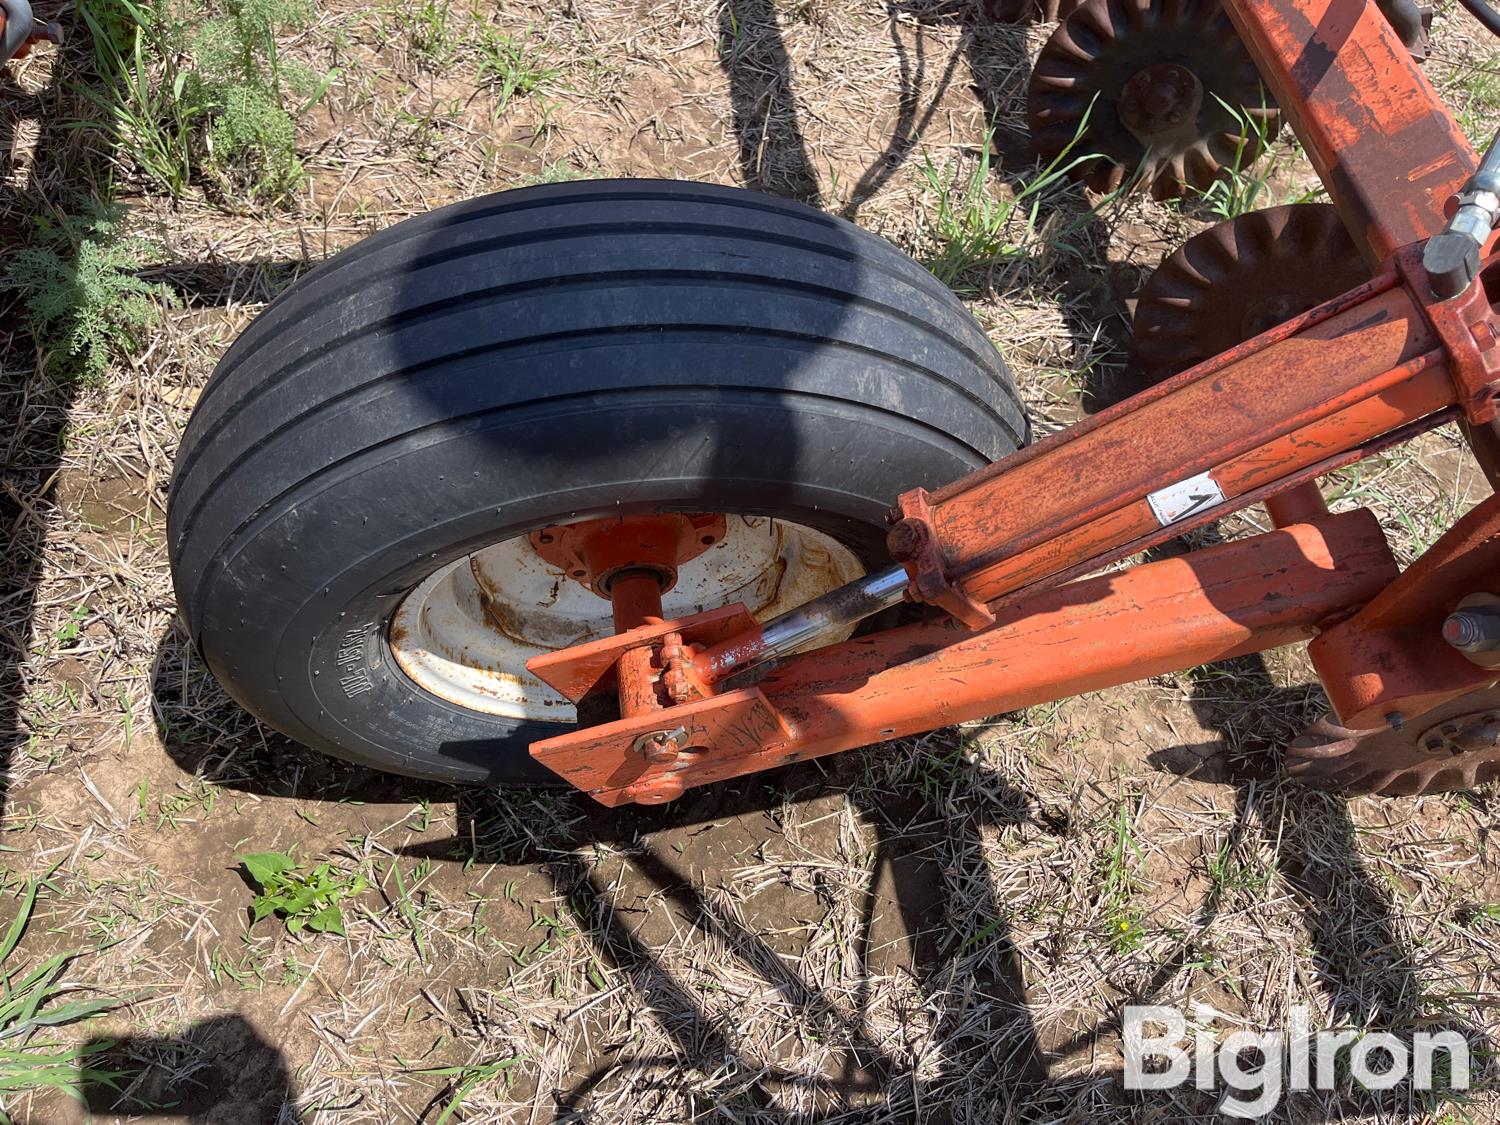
1005	551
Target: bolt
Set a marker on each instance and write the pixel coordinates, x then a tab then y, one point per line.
1160	98
1476	629
675	662
906	540
660	746
1396	720
676	682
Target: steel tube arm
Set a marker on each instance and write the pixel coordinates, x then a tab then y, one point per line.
1318	386
1380	138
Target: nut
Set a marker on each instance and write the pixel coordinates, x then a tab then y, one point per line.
675	662
660	746
907	540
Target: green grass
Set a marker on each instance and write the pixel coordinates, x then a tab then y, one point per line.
468	1078
191	97
406	905
1119	878
512	66
1480	101
972	229
428	35
1229	873
33	1005
1245	183
137	97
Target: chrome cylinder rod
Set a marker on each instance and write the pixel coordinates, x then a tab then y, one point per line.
800	627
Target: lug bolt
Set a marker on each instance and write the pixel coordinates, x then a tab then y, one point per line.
1159	98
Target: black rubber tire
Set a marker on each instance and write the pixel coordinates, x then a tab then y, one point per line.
547	354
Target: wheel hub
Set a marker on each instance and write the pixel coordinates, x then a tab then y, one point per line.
594	552
466	632
1463	734
1162	91
1159	100
1266	314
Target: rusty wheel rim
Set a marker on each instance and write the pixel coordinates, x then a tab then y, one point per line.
1240	278
1456	746
465	632
1142	87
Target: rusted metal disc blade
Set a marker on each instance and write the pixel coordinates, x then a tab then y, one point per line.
1146	87
1456	746
1237	279
1018	11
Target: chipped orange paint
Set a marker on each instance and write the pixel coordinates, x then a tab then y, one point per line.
1391	657
1363	110
1224	601
1269	410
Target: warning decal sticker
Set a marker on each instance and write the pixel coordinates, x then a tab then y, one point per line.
1185	498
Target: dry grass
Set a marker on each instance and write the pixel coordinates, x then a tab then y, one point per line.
942	929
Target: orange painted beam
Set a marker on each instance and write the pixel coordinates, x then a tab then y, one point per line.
1241	597
1318	386
1383	143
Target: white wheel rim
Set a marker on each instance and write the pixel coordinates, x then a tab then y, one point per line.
448	643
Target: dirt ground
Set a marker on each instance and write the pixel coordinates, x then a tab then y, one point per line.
940	929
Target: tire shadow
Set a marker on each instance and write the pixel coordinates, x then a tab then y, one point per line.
927	869
218	1070
195	720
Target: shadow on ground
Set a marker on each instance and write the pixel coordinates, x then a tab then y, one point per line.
929	881
218	1070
